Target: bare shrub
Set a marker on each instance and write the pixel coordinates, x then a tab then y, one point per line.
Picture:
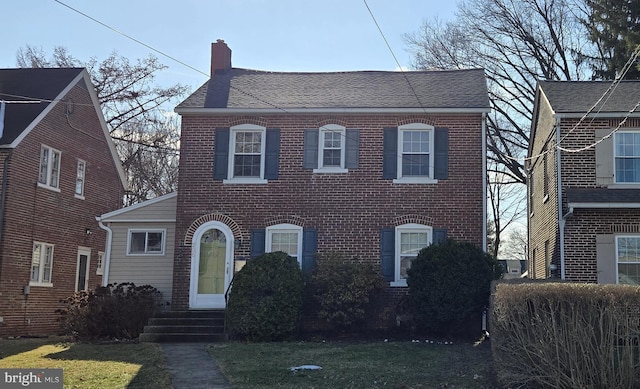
560	335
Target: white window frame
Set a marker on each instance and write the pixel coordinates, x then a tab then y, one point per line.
83	251
41	268
284	228
81	174
332	128
402	229
100	264
146	252
400	155
616	136
617	245
52	178
232	153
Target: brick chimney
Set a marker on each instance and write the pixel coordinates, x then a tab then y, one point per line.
220	57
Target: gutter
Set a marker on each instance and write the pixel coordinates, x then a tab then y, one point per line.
107	252
484	182
561	217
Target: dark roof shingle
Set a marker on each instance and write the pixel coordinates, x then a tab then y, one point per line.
252	89
580	96
29	84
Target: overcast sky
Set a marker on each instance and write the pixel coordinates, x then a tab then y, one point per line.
277	35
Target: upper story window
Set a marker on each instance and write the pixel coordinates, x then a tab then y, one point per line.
627	156
286	238
41	264
331	149
415	153
49	167
80	176
628	259
146	242
246	154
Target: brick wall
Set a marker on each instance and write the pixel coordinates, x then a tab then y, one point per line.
59	218
348	210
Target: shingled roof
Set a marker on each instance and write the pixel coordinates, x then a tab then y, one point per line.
28	92
244	89
579	96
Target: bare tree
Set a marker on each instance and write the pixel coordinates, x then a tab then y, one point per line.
516	244
135	110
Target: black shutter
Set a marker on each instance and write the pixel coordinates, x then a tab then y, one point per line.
309	248
387	254
390	153
439	236
221	154
272	154
441	154
310	158
352	144
257	242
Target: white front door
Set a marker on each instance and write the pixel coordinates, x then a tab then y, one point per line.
211	265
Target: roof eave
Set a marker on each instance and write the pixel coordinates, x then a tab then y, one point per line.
262	111
608	115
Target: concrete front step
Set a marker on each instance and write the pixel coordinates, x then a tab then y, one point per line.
185	326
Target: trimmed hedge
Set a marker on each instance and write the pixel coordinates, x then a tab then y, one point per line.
565	335
265	301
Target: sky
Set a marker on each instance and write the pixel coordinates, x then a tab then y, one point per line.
274	35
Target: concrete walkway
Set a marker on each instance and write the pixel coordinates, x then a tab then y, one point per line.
191	366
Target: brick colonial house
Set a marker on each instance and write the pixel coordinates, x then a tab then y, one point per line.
584	197
372	164
59	169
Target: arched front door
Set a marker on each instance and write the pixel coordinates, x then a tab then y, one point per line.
211	265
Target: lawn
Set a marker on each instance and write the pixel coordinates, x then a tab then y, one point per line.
373	364
87	366
356	365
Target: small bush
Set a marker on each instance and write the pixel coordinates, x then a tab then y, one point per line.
343	289
266	298
564	335
449	285
109	312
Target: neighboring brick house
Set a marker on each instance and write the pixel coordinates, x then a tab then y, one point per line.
371	164
59	170
584	196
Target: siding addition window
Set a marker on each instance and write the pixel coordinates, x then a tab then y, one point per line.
146	242
49	175
410	239
41	264
80	175
627	157
628	259
286	238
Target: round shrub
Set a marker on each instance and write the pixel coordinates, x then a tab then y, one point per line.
449	285
266	298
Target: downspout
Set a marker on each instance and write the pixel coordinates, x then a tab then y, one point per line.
107	253
484	182
561	217
3	195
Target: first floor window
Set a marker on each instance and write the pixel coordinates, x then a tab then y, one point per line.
49	167
146	242
41	263
628	259
410	239
286	238
100	267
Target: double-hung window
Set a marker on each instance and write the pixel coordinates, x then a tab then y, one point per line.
100	265
331	149
286	238
80	178
627	157
146	242
628	259
248	152
41	264
49	167
416	153
410	239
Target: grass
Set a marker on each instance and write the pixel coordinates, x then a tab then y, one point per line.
87	366
355	365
